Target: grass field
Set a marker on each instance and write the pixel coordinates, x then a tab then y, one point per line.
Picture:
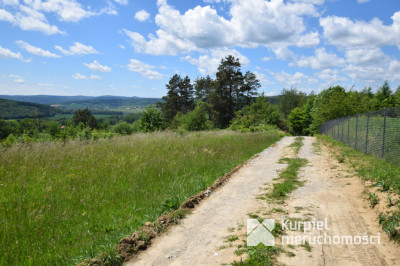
61	203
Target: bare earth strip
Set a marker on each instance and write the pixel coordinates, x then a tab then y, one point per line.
329	192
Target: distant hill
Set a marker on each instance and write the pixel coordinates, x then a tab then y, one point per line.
106	102
14	109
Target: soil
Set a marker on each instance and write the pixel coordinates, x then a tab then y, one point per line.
330	191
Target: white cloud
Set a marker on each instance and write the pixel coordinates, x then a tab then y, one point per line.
6	53
35	50
296	80
262	78
30	14
94	77
79	76
265	59
208	63
343	32
330	77
142	15
283	53
144	69
252	23
95	66
6	16
364	57
83	77
77	49
19	81
122	2
321	60
362	1
11	2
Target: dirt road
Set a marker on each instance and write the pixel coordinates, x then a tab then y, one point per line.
329	192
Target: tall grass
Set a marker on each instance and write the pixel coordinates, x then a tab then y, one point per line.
61	203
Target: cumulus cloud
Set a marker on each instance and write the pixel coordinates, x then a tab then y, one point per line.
344	32
294	80
144	69
330	77
321	60
30	15
6	53
84	77
96	66
35	50
208	63
77	49
252	23
79	76
142	15
122	2
365	57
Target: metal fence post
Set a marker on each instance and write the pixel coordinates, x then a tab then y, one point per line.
348	131
342	130
338	130
366	135
384	133
355	141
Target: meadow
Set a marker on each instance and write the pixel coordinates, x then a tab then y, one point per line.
63	202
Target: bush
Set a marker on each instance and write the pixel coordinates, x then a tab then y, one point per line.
151	120
122	128
261	112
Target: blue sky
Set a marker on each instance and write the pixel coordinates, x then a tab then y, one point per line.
132	48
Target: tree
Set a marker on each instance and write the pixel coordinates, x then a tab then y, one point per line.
330	104
197	119
300	118
383	98
151	120
290	99
203	88
260	112
231	92
84	116
179	97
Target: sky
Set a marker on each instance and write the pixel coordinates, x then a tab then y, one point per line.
133	48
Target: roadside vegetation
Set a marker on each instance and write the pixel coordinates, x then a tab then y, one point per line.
383	178
63	202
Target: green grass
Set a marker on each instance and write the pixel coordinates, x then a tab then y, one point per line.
297	144
289	176
61	203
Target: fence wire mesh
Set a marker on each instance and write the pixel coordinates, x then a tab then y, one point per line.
376	133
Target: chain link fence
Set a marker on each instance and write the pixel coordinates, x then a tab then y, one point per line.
376	133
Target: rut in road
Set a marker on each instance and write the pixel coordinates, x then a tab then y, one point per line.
326	194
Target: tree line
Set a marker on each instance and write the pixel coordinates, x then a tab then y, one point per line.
230	100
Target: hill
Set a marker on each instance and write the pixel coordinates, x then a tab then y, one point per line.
106	102
110	103
15	109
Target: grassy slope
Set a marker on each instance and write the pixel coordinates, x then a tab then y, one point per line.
60	203
13	109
